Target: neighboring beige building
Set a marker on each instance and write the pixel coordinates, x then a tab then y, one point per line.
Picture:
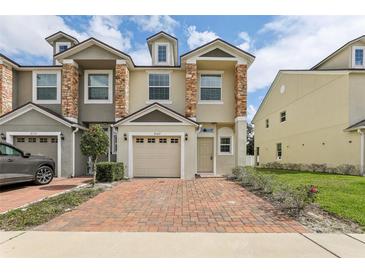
176	118
317	115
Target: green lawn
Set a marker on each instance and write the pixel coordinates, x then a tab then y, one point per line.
340	194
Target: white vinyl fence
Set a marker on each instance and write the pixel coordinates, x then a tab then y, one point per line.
250	160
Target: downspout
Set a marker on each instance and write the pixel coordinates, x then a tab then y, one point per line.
362	151
73	151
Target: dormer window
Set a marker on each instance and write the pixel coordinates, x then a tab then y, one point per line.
162	53
62	46
358	57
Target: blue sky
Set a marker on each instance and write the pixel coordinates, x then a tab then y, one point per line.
278	42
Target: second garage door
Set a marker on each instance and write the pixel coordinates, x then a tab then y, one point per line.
156	156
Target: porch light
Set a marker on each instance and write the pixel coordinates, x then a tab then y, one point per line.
62	136
2	136
186	136
125	136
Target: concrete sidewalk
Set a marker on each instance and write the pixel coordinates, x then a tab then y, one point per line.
194	245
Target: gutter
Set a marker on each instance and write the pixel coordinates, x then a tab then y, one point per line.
73	151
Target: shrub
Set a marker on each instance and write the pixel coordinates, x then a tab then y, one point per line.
347	169
109	171
238	172
318	167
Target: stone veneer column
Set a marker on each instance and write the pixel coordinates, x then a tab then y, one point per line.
6	89
70	90
191	89
240	89
121	89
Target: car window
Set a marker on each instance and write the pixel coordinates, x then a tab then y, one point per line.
9	151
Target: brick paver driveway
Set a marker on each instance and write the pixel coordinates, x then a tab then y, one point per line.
17	195
172	205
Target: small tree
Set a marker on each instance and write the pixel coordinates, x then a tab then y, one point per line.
94	143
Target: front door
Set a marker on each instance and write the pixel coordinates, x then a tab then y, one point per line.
205	155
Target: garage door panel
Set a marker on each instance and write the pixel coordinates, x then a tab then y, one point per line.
38	145
156	159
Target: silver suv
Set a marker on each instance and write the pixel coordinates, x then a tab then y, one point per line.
17	166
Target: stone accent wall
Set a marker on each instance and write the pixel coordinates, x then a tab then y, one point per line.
70	91
240	90
6	89
121	91
191	90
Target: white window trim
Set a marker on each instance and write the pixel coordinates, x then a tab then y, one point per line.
167	53
58	87
151	101
210	102
58	44
285	116
353	57
219	145
86	87
276	150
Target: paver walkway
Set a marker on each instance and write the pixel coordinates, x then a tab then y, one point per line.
17	195
173	205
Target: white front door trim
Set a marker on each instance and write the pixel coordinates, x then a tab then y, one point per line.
10	140
214	152
156	134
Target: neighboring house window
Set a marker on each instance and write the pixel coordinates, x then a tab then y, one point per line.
210	87
47	87
267	124
159	86
358	57
282	116
98	87
62	46
115	141
257	156
279	152
162	53
225	145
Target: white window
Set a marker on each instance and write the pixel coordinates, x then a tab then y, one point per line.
47	87
62	46
225	145
114	141
358	57
210	88
162	53
279	151
159	87
98	87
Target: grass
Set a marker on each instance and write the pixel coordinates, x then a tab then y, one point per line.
43	211
342	195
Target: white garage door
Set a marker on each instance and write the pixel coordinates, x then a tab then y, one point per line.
38	145
156	156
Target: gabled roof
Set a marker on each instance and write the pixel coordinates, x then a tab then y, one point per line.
90	42
153	107
161	33
31	106
337	51
50	39
218	42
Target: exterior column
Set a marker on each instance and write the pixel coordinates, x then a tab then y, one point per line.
121	89
191	89
6	89
362	152
240	90
70	90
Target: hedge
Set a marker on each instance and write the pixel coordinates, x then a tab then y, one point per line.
109	171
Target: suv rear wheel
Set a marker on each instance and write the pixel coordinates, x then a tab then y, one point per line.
43	175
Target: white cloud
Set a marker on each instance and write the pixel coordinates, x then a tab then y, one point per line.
300	42
35	28
156	23
196	38
141	56
246	40
105	28
251	111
